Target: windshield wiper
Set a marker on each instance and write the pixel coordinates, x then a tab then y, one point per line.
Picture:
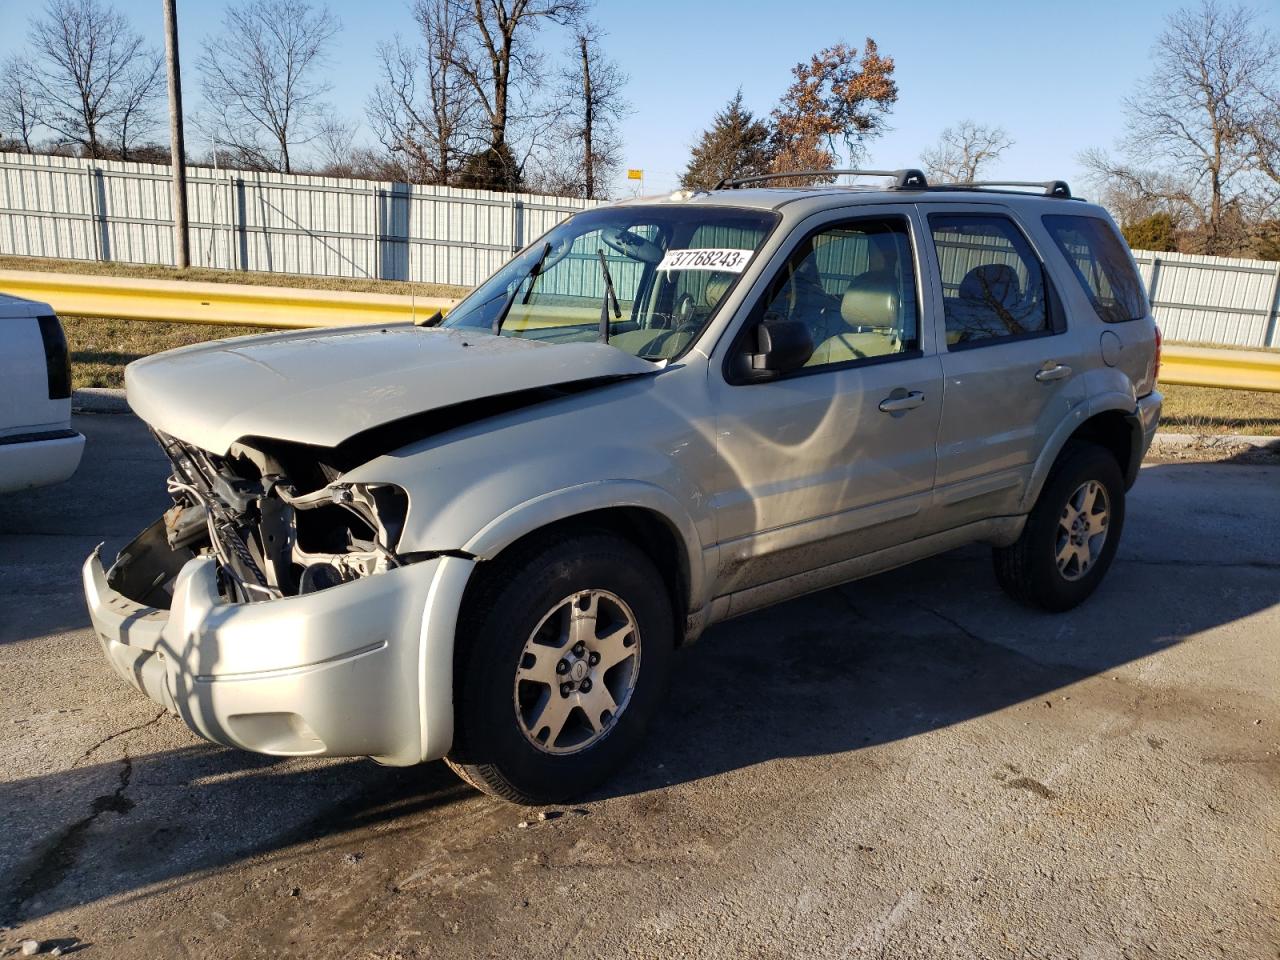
531	276
609	297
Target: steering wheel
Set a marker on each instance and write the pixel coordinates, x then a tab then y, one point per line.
631	244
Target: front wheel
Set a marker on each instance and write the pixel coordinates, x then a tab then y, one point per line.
1071	535
563	662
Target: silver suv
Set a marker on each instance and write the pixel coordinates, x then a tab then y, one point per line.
483	539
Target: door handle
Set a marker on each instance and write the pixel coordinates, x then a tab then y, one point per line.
1048	373
906	401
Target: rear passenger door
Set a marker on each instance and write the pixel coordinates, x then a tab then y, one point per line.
1010	363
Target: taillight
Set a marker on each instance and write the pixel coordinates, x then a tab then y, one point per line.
1155	374
57	359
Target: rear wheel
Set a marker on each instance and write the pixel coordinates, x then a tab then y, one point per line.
1071	535
564	660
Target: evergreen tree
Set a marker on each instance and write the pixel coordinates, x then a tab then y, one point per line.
493	168
1157	232
736	145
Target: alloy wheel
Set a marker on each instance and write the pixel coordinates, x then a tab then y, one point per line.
1082	529
577	672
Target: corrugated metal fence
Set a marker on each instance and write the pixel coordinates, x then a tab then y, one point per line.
105	210
1213	299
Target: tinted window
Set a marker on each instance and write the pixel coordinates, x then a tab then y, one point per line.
1099	261
992	282
853	285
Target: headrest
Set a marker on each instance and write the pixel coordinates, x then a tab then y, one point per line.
991	283
870	305
717	286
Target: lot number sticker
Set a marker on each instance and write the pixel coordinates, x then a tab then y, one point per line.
728	261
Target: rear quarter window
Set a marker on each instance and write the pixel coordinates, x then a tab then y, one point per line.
1101	264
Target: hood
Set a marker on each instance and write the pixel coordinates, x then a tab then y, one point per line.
324	387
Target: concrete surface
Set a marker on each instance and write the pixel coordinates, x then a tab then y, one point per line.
909	766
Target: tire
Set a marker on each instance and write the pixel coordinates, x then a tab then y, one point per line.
1029	570
516	623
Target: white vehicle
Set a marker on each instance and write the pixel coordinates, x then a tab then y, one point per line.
484	541
37	445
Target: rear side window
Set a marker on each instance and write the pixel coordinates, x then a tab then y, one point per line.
1099	261
993	283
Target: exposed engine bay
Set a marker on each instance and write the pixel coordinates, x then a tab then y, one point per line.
272	516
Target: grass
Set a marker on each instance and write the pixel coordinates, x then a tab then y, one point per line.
1210	410
150	272
100	348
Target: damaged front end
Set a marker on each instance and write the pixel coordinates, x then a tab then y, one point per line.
274	516
180	614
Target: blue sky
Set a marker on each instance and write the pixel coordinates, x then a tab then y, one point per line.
1053	75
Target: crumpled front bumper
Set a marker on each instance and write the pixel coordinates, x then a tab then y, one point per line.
359	669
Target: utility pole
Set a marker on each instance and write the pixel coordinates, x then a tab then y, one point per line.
588	161
181	239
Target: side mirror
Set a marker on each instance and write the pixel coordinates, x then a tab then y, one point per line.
781	346
434	320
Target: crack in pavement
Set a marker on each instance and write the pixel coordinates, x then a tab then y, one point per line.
119	733
52	864
1217	564
49	867
958	625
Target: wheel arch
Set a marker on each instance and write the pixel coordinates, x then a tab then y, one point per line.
641	513
1114	425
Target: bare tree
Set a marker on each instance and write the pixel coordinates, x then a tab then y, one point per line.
964	150
507	74
432	126
1262	132
591	87
259	76
94	82
18	121
1202	116
334	143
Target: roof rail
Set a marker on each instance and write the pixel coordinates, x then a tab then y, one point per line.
903	179
1051	188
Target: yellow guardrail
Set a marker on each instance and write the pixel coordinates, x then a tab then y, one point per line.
184	301
1215	367
78	295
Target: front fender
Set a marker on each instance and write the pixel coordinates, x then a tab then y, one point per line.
647	444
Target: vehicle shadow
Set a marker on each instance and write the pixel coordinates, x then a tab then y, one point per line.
879	661
139	822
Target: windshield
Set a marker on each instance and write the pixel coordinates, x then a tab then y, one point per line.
671	266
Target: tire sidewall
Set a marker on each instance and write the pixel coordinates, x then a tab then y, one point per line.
491	734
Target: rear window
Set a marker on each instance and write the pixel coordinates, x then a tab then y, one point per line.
1101	264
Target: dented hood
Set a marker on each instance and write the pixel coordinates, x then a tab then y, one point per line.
323	387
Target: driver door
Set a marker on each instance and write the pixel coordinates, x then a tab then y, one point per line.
836	459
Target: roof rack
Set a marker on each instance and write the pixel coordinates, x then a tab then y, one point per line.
1051	188
903	179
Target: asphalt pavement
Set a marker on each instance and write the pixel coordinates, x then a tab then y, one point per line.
908	766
